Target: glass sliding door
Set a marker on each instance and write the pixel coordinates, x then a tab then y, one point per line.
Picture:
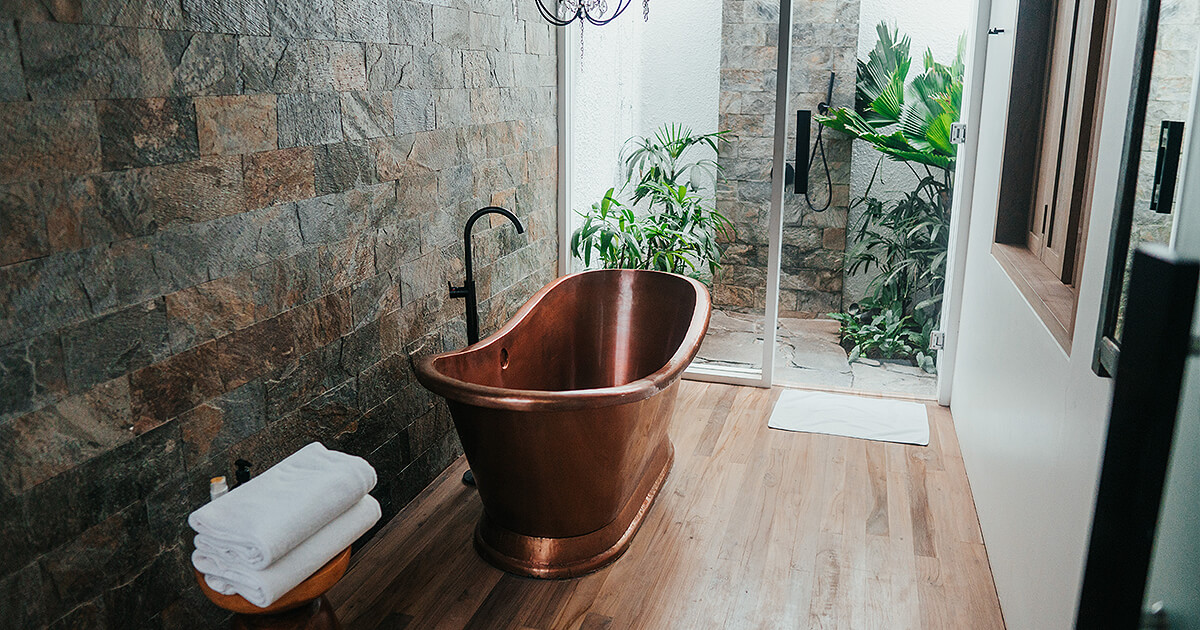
754	115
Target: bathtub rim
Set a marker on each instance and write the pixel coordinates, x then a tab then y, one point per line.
546	400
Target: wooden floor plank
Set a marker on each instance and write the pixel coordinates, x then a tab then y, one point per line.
755	528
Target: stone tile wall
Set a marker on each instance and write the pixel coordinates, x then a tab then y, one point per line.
225	226
1170	99
825	38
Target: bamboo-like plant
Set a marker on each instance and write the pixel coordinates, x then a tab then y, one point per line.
677	230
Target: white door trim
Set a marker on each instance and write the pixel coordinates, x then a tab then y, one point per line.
964	189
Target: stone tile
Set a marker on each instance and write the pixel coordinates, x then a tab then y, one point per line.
303	380
343	166
336	66
212	309
166	581
68	61
374	297
146	132
23	233
69	504
309	119
361	348
539	38
160	14
323	219
90	614
347	262
383	380
313	19
109	207
12	77
115	344
236	124
371	207
247	17
66	11
450	27
273	65
362	20
435	67
113	549
33	375
453	108
391	156
322	321
389	66
252	352
54	439
367	115
416	193
21	595
410	22
252	238
40	295
436	150
287	283
180	63
156	197
222	422
41	140
329	414
274	177
166	389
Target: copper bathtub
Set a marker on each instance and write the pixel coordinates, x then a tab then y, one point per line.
563	415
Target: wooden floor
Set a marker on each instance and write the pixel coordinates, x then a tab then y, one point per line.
755	528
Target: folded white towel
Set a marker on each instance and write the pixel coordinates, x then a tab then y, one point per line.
268	516
265	587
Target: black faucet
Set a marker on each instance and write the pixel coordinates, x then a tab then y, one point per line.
468	289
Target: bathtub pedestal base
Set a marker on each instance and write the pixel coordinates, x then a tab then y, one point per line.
557	558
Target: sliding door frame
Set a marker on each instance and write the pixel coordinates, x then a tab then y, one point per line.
567	71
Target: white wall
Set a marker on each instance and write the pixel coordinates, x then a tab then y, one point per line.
633	77
1031	420
940	35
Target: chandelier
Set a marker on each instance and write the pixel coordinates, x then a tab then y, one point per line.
595	12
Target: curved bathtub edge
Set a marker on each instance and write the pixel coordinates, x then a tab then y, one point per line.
537	400
577	555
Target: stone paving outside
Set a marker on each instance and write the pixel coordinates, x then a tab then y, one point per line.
809	355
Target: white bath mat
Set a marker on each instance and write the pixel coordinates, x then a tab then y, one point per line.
851	416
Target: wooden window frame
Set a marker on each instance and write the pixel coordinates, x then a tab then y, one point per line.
1048	170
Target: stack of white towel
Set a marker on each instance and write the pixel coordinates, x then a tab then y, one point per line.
273	532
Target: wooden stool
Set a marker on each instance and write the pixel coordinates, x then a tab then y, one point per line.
302	608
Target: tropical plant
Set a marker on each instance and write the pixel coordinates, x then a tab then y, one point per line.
885	334
666	222
905	120
903	240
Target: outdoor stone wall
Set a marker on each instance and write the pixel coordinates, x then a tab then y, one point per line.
1170	99
225	226
825	38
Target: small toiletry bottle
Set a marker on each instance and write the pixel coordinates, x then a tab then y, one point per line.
217	488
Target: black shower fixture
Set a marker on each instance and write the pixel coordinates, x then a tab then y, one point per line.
805	160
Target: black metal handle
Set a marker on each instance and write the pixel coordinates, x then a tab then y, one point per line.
457	292
1166	168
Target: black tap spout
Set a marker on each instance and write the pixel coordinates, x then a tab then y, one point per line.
468	289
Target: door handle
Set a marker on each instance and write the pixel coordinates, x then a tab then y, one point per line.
1166	168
